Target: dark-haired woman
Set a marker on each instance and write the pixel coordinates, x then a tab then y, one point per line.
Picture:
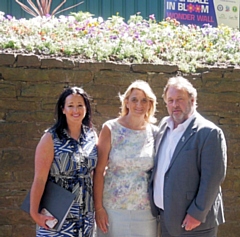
67	155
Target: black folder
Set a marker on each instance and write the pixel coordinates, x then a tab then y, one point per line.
56	199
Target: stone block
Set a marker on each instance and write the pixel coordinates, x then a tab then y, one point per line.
224	87
18	75
15	104
233	75
118	78
112	111
109	92
154	68
7	90
229	120
69	63
52	63
7	59
157	81
215	76
26	230
16	160
98	66
225	232
25	117
79	78
6	230
2	116
28	60
42	90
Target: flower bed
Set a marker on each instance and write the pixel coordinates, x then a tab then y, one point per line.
138	40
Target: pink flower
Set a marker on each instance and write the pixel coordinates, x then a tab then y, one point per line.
152	17
191	8
198	8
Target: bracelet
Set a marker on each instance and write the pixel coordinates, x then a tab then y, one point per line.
99	209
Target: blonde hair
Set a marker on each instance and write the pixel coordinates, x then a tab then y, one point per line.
143	86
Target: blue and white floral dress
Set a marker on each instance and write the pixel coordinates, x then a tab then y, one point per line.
72	169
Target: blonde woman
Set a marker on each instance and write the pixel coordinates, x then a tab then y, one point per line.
125	155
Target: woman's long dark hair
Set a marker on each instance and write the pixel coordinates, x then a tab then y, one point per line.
61	121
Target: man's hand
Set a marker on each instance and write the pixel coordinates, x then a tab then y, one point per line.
190	223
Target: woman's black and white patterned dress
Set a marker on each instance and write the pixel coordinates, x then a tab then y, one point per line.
72	169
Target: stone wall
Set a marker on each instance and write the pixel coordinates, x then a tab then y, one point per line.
29	88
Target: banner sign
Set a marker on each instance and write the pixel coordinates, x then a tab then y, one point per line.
199	12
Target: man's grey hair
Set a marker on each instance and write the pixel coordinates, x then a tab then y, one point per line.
181	83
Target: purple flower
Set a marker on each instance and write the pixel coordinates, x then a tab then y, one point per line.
152	17
149	42
9	17
113	37
207	25
136	35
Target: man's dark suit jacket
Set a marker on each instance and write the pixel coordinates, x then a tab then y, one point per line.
192	181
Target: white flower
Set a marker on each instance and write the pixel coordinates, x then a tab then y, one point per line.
137	41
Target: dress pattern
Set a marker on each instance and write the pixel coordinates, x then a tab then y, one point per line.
130	159
72	169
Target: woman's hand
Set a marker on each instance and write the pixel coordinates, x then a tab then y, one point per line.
102	220
41	220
